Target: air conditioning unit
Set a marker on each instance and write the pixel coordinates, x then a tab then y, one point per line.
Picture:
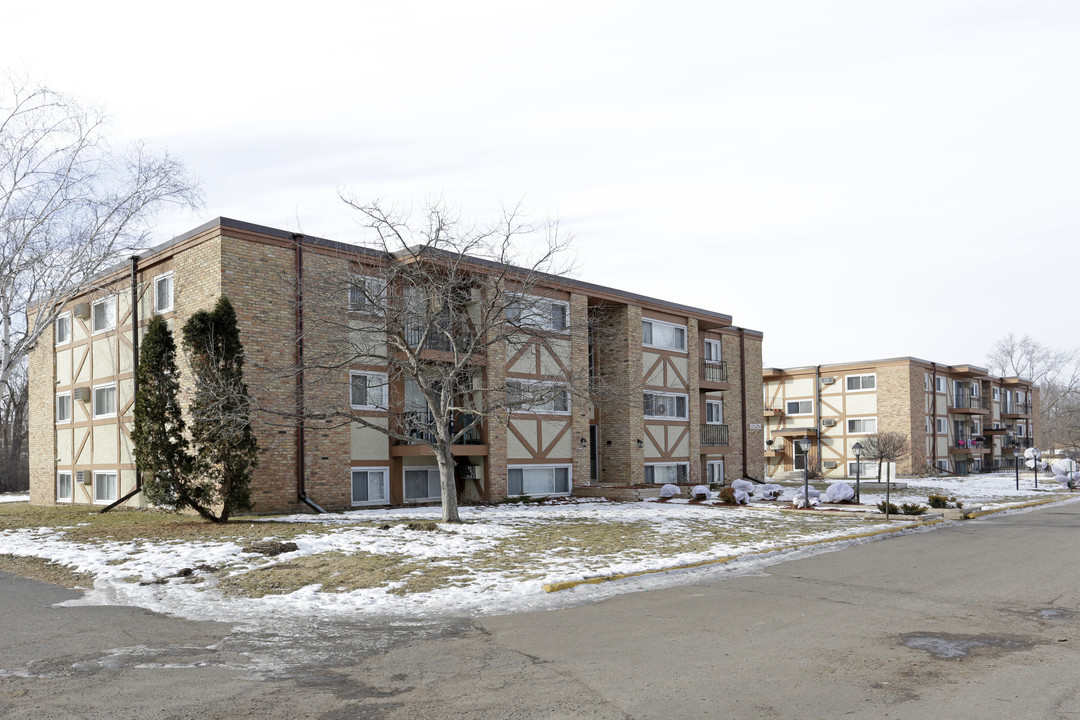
828	380
828	422
83	478
82	310
468	472
81	393
829	464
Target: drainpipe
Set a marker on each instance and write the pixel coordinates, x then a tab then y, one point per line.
933	416
298	269
817	417
134	368
742	404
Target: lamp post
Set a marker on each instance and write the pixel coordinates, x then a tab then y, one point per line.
768	448
1035	464
1016	463
804	446
857	449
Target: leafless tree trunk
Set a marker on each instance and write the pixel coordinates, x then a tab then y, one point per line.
885	447
14	459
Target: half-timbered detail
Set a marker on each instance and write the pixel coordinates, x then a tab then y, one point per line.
603	386
958	418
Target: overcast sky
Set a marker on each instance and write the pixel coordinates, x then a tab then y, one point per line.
856	179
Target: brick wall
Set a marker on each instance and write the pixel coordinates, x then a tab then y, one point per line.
42	420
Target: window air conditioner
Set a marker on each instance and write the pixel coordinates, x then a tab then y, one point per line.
82	477
828	422
82	394
828	380
82	310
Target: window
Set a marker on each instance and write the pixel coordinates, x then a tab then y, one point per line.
103	312
941	384
63	407
942	426
105	489
714	412
997	394
538	396
943	465
974	389
63	329
712	352
665	336
862	382
422	483
864	468
800	407
538	312
714	471
927	424
370	486
366	294
538	480
367	391
105	400
1019	431
664	473
861	426
926	381
976	427
163	293
63	486
665	406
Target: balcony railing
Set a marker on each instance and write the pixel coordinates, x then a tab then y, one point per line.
967	402
419	425
714	371
1016	408
714	435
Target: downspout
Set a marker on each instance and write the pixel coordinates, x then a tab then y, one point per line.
933	416
742	404
134	368
298	269
817	418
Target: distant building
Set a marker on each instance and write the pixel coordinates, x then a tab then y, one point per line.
699	418
958	418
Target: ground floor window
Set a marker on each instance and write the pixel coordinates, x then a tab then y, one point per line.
664	473
865	468
63	486
105	487
943	465
538	480
370	486
422	483
714	471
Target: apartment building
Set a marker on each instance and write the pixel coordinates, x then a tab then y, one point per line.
958	418
696	377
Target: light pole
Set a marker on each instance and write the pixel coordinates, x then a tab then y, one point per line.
804	445
768	448
1016	462
857	449
1035	464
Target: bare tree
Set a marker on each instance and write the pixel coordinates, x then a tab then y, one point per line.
1057	374
14	458
885	447
70	206
434	308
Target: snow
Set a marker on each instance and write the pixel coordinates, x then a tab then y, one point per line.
14	497
756	538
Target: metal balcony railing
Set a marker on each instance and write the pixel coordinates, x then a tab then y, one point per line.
967	402
1016	408
714	371
419	425
714	435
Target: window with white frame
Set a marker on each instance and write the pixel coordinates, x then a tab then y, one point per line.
63	329
366	294
800	407
370	486
367	390
976	426
997	394
538	480
864	468
942	384
928	431
862	382
422	483
103	314
714	412
943	465
1019	430
63	486
63	407
104	400
862	426
538	396
665	406
712	351
666	336
163	293
539	312
942	425
926	381
714	471
665	473
105	487
975	389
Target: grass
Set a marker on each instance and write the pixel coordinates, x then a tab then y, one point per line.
45	571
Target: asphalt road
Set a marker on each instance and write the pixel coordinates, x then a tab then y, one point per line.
977	620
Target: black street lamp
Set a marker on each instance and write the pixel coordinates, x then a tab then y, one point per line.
804	446
857	449
1016	462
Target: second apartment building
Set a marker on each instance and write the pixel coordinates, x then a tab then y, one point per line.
957	418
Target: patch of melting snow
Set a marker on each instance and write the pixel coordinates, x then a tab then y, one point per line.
1055	614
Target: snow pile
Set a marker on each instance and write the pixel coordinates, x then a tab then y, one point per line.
9	497
839	492
771	491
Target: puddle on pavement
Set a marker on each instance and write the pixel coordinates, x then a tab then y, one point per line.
1055	614
952	647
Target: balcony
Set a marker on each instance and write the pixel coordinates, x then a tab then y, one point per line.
714	375
775	450
969	405
714	435
419	426
1016	409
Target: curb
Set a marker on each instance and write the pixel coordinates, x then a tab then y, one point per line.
599	579
1034	503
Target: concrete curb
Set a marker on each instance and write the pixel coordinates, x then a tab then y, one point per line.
1034	503
598	579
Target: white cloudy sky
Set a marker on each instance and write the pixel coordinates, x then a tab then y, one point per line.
857	179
